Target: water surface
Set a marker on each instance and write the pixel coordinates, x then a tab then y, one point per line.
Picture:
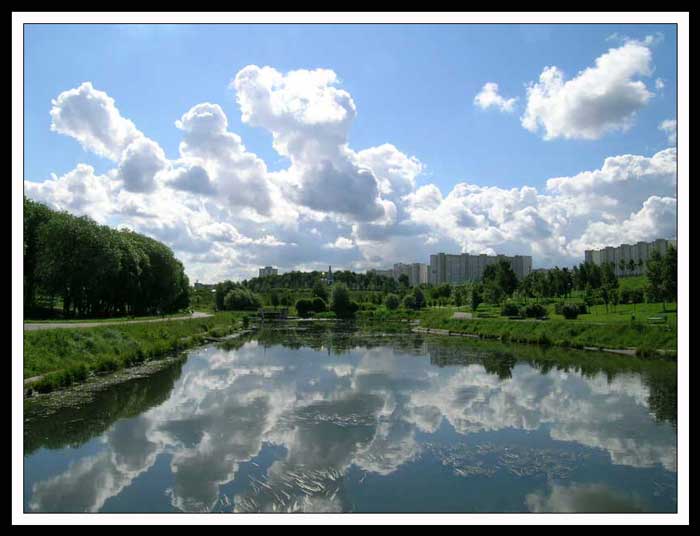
330	420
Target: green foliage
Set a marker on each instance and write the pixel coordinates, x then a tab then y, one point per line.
392	301
341	304
241	299
67	356
569	311
533	310
476	297
97	271
510	309
570	333
320	290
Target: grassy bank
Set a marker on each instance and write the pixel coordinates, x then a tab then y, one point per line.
574	334
66	356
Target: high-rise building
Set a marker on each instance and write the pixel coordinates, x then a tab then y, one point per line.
416	272
460	268
641	251
268	270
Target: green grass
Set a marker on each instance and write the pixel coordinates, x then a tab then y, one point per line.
567	333
106	319
67	356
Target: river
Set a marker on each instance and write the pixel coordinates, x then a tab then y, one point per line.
334	420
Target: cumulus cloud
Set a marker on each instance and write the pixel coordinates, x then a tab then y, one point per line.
225	213
668	126
91	117
489	97
600	99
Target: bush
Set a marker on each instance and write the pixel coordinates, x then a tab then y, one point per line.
341	304
533	310
409	301
392	302
510	309
304	307
241	299
569	311
318	305
368	306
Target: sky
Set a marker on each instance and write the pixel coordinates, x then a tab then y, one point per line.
356	146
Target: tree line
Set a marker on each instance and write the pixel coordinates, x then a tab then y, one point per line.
95	270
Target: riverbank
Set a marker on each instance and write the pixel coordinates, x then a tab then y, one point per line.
59	358
643	339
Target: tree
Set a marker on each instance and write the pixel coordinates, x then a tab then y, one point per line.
391	301
622	265
341	304
320	290
655	277
419	297
476	297
404	281
631	266
609	284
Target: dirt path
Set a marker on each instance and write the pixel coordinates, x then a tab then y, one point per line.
28	326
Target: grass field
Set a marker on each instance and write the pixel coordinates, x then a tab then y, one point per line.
559	332
66	356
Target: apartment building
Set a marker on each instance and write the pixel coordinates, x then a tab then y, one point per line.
416	272
268	270
641	251
460	268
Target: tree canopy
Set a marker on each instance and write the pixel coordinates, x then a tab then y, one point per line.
97	270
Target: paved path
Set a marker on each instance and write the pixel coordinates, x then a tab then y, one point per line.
63	325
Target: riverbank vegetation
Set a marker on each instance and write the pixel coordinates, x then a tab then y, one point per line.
66	356
95	271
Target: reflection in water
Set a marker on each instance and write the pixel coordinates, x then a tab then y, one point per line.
317	419
586	498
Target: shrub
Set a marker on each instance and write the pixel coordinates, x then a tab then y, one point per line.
318	305
533	310
241	299
392	302
570	311
510	309
341	304
409	301
304	307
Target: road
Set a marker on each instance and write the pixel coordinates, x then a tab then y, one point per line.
31	326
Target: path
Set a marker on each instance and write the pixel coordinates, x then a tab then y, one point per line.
29	326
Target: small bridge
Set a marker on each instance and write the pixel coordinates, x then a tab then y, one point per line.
273	313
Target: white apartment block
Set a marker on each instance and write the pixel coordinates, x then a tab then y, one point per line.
460	268
268	270
416	272
626	252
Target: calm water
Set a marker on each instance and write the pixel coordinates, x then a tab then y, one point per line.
329	421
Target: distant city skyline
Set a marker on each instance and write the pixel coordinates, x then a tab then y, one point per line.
242	146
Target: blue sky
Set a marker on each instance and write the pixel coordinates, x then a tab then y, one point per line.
413	86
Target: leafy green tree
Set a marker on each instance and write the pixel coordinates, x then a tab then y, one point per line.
341	304
391	301
320	290
476	296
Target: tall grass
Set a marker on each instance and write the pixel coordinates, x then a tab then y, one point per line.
67	356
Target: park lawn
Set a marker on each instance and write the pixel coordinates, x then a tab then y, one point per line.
558	332
66	356
106	319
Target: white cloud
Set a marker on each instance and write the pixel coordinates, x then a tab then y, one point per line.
91	117
601	99
669	126
489	97
225	214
